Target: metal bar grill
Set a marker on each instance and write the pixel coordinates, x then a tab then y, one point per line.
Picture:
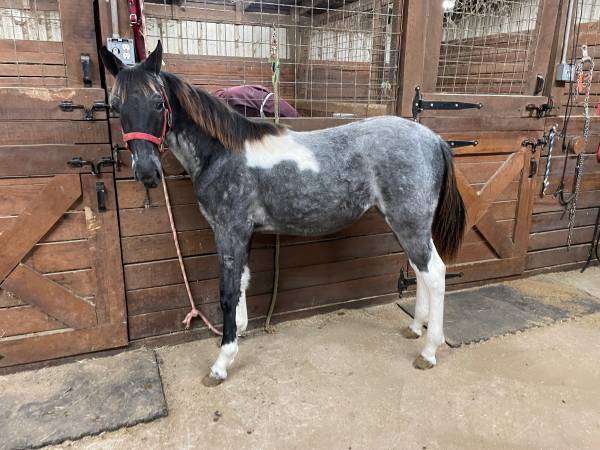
338	58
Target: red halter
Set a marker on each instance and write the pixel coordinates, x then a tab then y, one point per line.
157	140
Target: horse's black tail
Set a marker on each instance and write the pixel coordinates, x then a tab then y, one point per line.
450	218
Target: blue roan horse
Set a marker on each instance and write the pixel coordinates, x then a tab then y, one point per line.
256	176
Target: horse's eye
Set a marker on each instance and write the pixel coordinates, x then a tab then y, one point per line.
159	105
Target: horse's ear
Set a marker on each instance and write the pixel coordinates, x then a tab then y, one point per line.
153	62
110	61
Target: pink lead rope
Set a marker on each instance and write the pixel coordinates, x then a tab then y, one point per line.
160	142
194	312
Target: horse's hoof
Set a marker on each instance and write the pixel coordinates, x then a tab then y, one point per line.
409	333
421	363
210	381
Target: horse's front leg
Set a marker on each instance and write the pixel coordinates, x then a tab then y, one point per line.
233	247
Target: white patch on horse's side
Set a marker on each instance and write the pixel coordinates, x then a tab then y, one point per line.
241	312
224	361
272	150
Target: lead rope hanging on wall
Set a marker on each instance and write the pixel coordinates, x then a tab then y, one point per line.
274	60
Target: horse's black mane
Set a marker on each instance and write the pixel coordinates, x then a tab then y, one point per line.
215	117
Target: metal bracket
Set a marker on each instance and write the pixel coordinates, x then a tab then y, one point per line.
85	68
535	143
541	110
88	113
77	162
404	282
101	195
419	104
115	156
457	144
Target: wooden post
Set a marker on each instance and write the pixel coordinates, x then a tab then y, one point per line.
420	50
546	41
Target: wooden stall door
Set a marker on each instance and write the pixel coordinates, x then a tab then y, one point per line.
61	288
61	282
476	54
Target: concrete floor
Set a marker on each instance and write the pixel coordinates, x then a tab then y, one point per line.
345	381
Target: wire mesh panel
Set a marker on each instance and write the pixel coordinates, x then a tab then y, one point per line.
337	57
486	46
31	47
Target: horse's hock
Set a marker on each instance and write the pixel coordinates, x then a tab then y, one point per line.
85	267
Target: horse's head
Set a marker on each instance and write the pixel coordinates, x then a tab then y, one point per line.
140	98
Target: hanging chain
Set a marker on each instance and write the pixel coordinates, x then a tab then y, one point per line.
584	83
551	135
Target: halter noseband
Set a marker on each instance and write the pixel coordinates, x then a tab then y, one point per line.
157	140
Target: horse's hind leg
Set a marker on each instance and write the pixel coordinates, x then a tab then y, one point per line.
433	276
430	270
415	329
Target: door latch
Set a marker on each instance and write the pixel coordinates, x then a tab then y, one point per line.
101	195
95	167
85	68
88	113
77	162
541	110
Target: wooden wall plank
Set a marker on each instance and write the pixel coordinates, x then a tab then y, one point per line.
42	348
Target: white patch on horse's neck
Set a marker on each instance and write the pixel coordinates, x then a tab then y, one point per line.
272	150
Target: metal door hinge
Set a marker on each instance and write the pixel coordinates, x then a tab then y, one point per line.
457	144
419	104
88	113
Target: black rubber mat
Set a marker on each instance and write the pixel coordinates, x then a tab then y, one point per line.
51	405
479	314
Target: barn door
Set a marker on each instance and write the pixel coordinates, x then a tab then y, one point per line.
61	282
480	67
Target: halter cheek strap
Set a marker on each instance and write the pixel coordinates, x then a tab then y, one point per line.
157	140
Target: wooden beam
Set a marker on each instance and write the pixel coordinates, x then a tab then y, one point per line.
421	40
36	220
35	289
544	45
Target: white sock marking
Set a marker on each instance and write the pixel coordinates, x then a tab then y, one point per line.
224	361
435	281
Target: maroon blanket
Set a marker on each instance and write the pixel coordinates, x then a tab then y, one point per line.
248	99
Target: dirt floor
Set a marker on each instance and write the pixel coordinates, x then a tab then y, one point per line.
345	381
